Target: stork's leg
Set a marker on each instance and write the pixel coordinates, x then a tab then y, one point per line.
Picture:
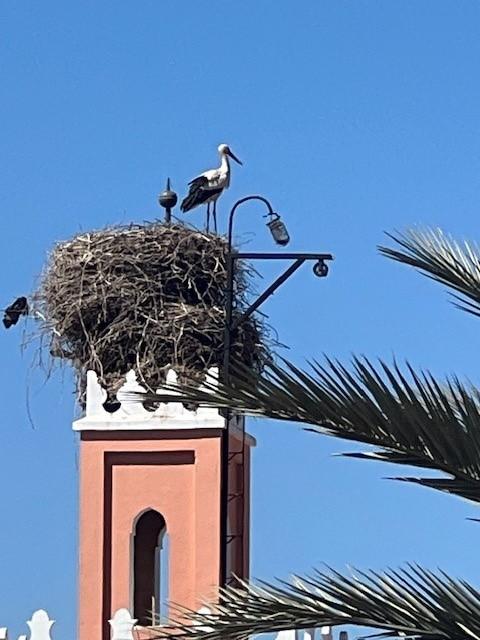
208	217
215	216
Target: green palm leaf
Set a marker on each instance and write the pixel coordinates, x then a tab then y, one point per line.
412	420
410	602
440	257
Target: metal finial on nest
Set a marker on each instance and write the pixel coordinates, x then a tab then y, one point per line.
168	199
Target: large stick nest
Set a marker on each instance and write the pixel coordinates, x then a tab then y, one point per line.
145	297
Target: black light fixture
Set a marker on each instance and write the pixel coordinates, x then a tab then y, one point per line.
320	269
278	229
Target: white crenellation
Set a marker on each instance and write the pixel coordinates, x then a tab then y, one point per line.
129	407
122	625
289	634
95	396
40	626
204	611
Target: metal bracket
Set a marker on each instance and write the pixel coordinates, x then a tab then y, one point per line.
299	259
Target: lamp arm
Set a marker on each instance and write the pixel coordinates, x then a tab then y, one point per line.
234	209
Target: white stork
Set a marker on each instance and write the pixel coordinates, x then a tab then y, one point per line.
208	186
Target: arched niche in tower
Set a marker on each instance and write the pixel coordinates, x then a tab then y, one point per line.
149	568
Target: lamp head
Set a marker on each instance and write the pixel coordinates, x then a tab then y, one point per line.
278	230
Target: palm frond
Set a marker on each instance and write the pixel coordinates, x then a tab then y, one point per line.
440	257
411	602
414	420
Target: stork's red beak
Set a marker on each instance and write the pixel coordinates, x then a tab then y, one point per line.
233	156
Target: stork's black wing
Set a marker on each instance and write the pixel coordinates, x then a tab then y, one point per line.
14	311
198	193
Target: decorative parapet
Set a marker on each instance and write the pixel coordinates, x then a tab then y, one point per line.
132	414
123	627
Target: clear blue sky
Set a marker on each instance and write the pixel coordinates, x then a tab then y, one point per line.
354	117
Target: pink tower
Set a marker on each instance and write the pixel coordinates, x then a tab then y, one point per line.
150	485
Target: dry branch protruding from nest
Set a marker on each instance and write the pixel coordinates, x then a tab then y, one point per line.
145	297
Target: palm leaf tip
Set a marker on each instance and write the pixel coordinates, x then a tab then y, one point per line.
440	257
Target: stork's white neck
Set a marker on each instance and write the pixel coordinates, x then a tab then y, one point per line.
225	163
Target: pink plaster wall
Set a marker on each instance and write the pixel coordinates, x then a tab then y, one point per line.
122	474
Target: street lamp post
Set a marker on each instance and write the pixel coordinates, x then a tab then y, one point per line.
280	235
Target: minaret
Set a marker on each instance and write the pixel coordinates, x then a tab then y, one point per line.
150	484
